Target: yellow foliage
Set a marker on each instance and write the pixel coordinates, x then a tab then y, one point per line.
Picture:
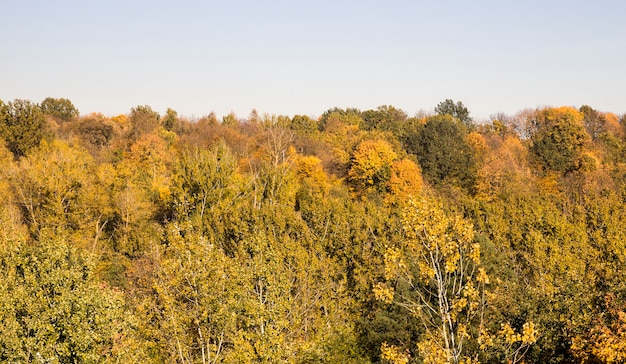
563	113
549	185
478	144
432	352
371	165
393	263
393	354
529	333
509	335
406	181
120	119
607	339
482	276
383	293
310	168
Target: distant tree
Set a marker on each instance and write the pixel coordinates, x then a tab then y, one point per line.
62	109
458	110
500	124
22	125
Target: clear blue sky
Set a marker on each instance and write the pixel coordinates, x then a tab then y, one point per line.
304	57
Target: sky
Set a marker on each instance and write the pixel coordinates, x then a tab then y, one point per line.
305	57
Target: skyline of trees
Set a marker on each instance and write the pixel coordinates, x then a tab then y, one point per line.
362	236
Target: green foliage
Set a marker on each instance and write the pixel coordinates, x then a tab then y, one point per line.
443	153
22	125
62	109
201	180
457	111
558	143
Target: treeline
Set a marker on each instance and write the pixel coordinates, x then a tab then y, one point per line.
359	236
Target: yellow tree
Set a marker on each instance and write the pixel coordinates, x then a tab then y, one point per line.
406	180
371	166
312	177
440	263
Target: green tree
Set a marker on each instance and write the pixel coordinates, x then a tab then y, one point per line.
62	109
443	152
22	125
458	111
558	143
202	180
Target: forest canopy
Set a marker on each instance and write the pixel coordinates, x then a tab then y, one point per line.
360	236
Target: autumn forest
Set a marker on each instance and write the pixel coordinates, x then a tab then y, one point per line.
353	237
